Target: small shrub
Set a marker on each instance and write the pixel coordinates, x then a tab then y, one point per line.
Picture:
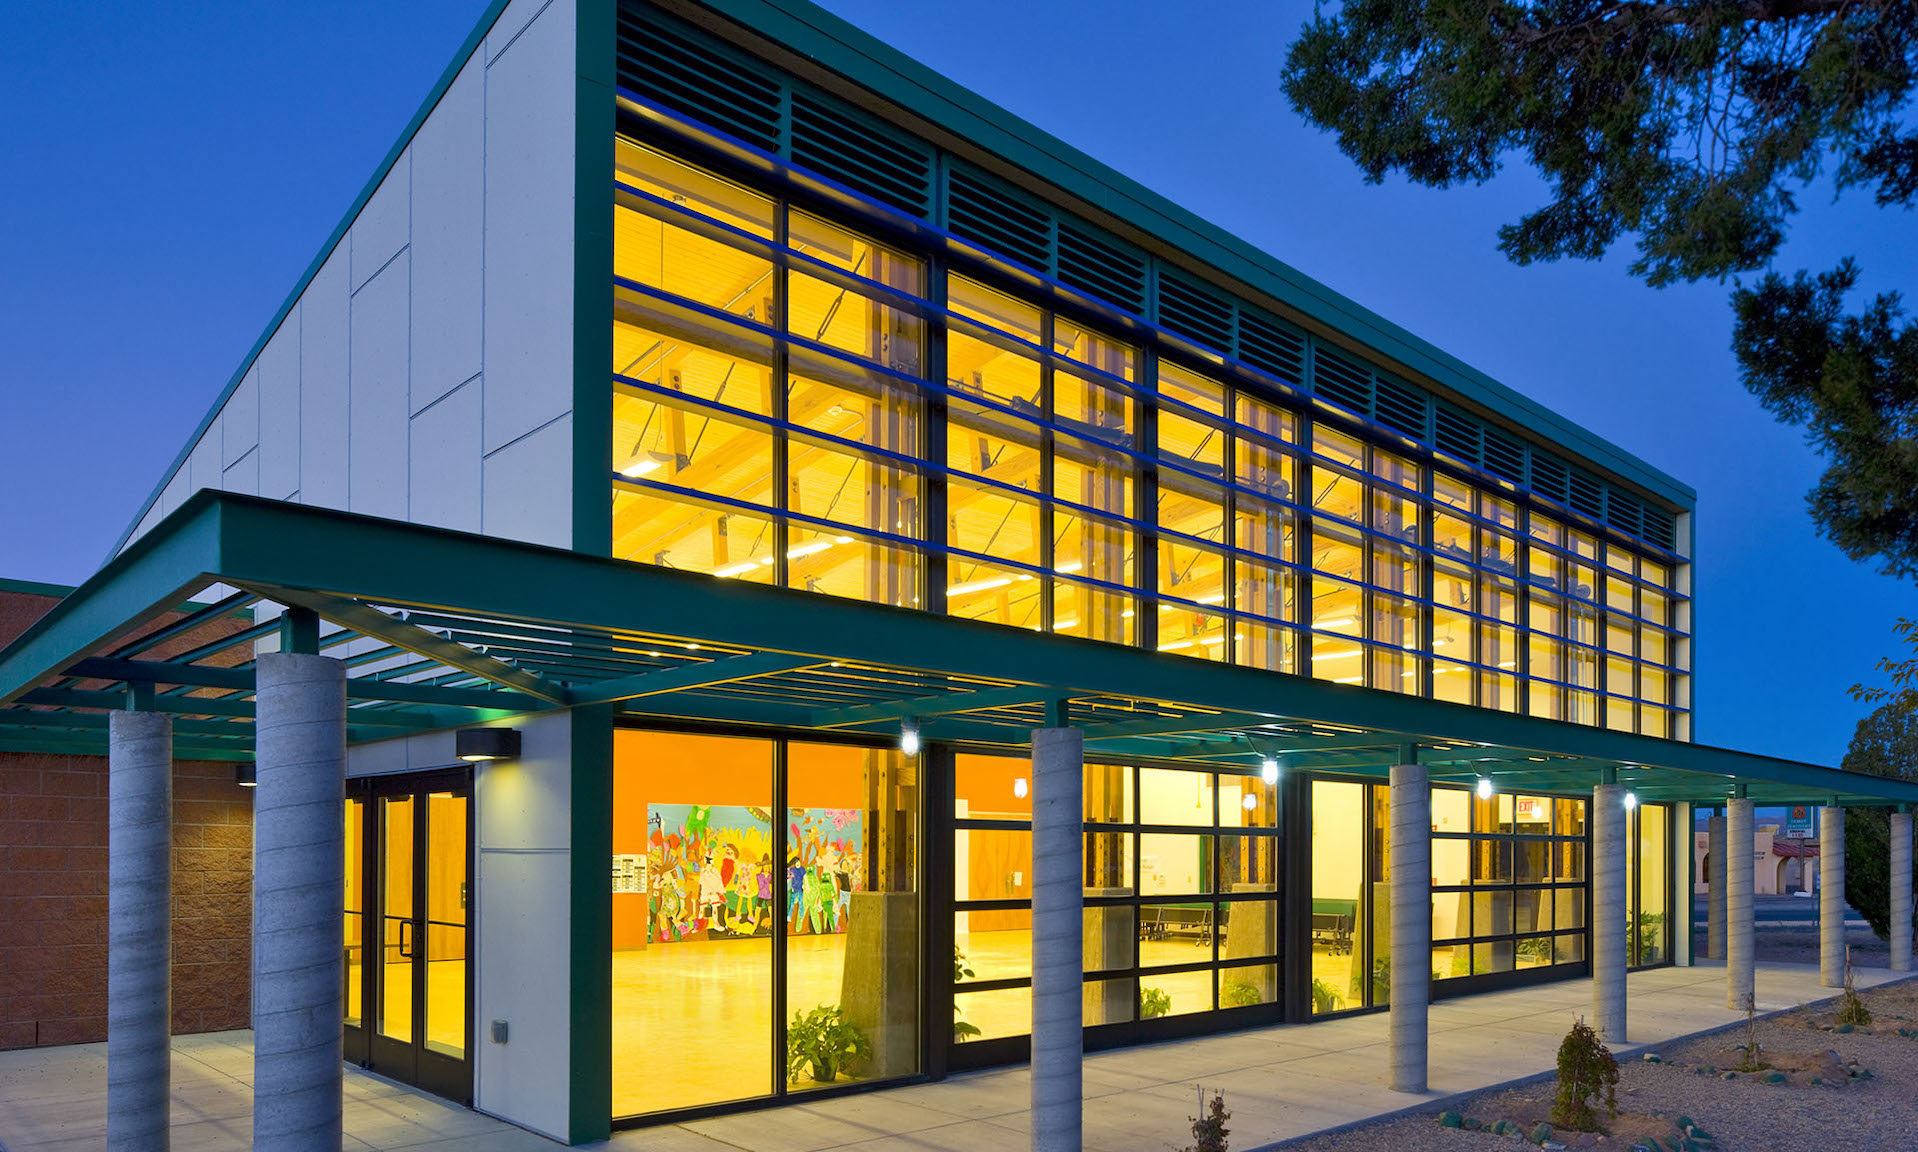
1209	1131
1153	1003
1754	1054
1586	1073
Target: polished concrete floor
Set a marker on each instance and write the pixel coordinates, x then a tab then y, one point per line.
1280	1082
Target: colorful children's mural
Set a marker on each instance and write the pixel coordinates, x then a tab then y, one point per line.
710	874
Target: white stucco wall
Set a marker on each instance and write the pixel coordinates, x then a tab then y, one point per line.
425	373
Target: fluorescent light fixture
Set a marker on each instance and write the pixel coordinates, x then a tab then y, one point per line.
1175	645
1069	566
1484	787
1019	787
1341	654
1631	801
1064	625
732	570
909	738
246	776
1269	769
477	744
643	462
978	586
1341	622
1350	680
1215	598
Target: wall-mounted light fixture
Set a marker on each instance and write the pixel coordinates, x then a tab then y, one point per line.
909	738
1269	769
1631	801
1484	787
246	776
475	744
1019	787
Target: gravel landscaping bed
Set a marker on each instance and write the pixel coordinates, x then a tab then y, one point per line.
1876	1110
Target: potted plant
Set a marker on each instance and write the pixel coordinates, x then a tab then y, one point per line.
823	1039
1154	1003
1325	998
962	1029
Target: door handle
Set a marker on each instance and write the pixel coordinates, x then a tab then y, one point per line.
406	946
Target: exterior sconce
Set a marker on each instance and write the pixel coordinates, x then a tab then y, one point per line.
1484	787
909	738
1019	787
476	744
1268	771
246	775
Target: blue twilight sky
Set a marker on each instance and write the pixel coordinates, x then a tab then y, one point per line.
172	169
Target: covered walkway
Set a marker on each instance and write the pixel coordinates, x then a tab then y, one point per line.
1280	1083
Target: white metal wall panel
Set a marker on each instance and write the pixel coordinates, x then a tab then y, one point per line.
382	227
243	475
376	422
530	92
449	219
240	419
279	370
324	345
443	459
526	488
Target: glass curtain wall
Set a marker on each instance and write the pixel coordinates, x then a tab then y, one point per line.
764	894
1509	888
1351	897
1181	890
796	402
1648	885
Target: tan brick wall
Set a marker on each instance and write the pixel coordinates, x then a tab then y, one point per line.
53	899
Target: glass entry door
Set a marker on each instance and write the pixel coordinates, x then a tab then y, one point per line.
408	891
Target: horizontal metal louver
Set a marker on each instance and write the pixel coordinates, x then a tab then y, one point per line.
1624	513
1505	456
1340	380
1195	312
1455	434
1268	345
999	220
1402	408
1585	494
1114	274
1548	475
1660	529
684	72
838	144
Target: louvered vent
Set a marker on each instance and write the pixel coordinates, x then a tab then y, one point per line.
1113	274
684	72
978	210
1193	311
836	143
1587	495
1455	434
1402	408
1548	475
1268	345
1624	513
1660	529
1341	381
1504	456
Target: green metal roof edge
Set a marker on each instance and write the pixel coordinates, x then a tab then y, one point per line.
35	587
477	37
858	56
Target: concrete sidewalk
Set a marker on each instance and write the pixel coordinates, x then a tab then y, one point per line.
1280	1083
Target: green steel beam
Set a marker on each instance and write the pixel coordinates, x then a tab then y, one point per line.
160	702
923	706
373	623
702	675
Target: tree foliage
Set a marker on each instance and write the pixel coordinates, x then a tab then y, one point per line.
1692	126
1884	744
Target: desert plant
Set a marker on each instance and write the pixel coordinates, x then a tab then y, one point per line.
1325	998
1586	1073
1853	1010
824	1039
1153	1003
1209	1130
1239	994
1754	1055
962	1029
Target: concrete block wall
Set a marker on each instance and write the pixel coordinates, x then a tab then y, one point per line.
53	899
425	373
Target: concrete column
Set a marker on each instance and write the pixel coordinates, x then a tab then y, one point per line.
298	876
1831	896
1900	892
139	924
1608	911
1411	887
1058	925
1715	884
1739	943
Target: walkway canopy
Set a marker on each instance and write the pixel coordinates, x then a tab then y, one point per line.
441	629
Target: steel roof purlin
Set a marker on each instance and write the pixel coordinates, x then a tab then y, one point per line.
442	628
